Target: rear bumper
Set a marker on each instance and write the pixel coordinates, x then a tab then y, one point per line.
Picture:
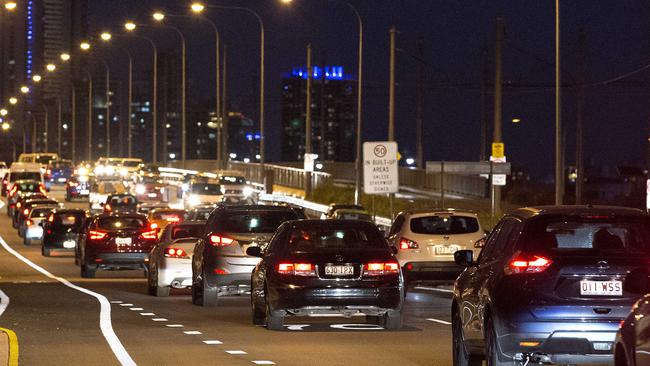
174	269
431	271
58	243
34	232
230	279
309	300
127	260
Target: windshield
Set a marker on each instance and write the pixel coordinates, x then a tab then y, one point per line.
335	239
131	164
201	214
254	221
353	216
26	176
230	179
68	221
29	187
41	212
45	159
590	235
444	225
122	201
169	215
189	231
62	165
122	223
206	188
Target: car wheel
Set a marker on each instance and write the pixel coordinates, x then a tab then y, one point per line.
154	288
492	347
393	320
27	242
460	355
46	251
87	271
259	315
204	295
273	321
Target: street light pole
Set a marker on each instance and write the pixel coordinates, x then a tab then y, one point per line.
108	109
559	174
58	129
74	121
90	115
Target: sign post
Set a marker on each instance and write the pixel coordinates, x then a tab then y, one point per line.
380	171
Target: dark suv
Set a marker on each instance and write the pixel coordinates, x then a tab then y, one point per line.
551	285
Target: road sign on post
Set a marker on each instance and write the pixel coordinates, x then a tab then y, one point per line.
380	173
498	150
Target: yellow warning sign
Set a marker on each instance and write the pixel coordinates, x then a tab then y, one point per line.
498	149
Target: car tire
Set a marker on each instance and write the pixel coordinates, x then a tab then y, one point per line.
393	320
204	295
273	321
460	355
27	242
154	288
46	251
259	315
87	271
492	347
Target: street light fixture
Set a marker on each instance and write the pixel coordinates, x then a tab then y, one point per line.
11	5
4	112
37	78
130	26
13	100
197	7
24	89
286	1
85	46
106	36
65	57
5	126
50	67
158	16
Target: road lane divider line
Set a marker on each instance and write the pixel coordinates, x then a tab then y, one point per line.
212	341
192	332
236	352
159	319
116	302
105	323
264	362
436	289
439	321
136	309
13	346
126	304
175	325
147	314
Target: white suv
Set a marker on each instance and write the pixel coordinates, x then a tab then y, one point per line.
426	241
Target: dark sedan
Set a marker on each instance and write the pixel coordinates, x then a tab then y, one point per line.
121	203
116	241
62	229
315	267
633	338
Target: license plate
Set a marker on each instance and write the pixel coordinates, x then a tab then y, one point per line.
339	270
445	249
84	191
152	195
122	240
62	180
69	244
601	288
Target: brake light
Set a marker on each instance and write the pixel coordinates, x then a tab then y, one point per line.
408	244
42	189
175	253
26	212
220	241
97	235
29	222
149	235
50	218
528	264
380	269
173	219
18	205
13	191
297	269
108	207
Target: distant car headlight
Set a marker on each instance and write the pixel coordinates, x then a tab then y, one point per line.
185	187
223	190
110	170
140	189
194	200
248	191
100	169
124	172
82	171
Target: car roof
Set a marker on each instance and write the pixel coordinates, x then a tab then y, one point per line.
331	224
189	223
118	215
236	207
529	212
431	210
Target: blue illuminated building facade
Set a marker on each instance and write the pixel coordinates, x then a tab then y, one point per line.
333	117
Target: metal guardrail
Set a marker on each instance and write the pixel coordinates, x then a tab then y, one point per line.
290	177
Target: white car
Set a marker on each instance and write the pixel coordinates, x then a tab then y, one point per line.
170	261
129	168
426	241
32	229
200	193
100	190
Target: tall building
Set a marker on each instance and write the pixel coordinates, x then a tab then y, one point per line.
169	109
243	140
333	119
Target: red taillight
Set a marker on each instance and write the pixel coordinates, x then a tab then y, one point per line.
149	235
26	212
297	269
97	235
380	268
528	264
220	241
42	189
50	218
175	253
173	219
29	223
408	244
13	191
18	205
108	208
220	271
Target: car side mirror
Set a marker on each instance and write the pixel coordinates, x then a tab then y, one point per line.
393	249
480	243
254	251
464	258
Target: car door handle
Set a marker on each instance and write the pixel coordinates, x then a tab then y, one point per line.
602	311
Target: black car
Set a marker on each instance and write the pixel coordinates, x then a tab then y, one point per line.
200	212
551	285
23	212
115	241
77	187
121	203
220	263
62	229
632	341
315	267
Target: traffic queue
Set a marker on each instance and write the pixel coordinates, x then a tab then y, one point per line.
547	285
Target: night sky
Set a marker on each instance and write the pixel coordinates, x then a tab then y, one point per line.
454	34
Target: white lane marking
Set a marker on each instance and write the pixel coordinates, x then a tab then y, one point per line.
264	362
192	332
4	302
105	323
116	302
212	341
126	304
147	314
236	352
159	319
436	289
439	321
136	309
175	325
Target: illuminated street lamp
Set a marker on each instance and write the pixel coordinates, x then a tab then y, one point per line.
65	56
158	16
286	1
106	36
85	46
5	126
130	26
13	100
3	112
37	78
197	7
24	89
11	5
50	67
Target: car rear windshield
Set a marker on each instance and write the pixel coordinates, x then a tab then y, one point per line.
254	221
590	235
41	212
65	221
122	201
45	159
201	214
29	187
187	231
25	176
353	216
334	239
131	164
165	215
444	225
122	223
206	188
62	165
232	180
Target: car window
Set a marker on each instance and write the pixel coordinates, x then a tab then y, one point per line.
188	231
29	187
25	176
41	212
169	215
444	225
206	188
599	235
397	225
490	244
253	221
201	214
122	223
334	239
502	245
122	201
68	221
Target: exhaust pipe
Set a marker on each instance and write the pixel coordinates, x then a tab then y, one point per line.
176	284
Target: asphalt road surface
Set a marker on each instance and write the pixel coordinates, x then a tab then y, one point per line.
61	319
